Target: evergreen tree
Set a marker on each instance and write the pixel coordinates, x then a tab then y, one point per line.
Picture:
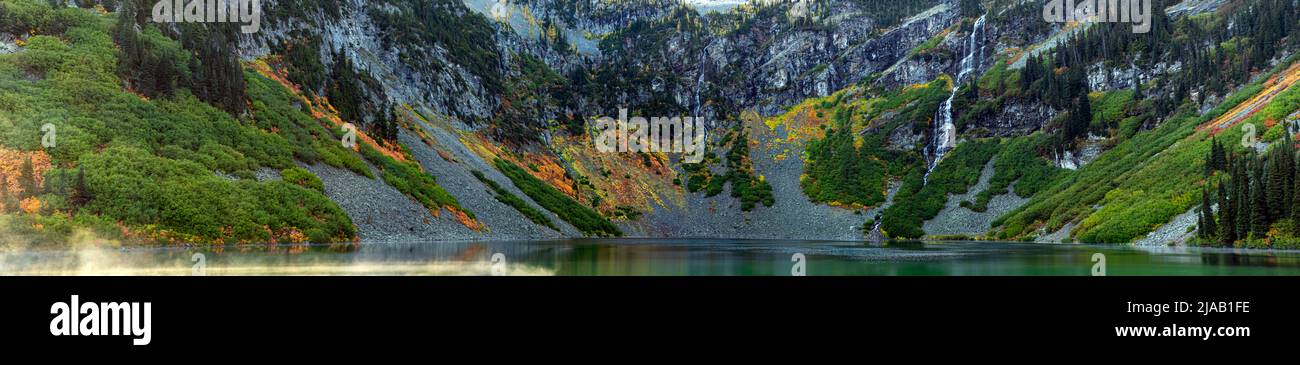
1078	120
1227	227
1275	184
1241	197
1208	228
1217	160
27	179
1259	216
1288	171
80	194
219	76
63	183
1295	213
1200	225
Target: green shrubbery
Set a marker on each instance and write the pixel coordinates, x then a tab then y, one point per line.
505	196
141	189
918	200
1109	108
1256	193
1139	184
153	164
276	109
850	168
408	178
839	172
1019	161
301	177
745	186
584	219
22	232
698	174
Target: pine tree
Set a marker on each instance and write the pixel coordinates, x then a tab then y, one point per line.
1288	167
1207	215
27	179
1227	227
80	194
1241	197
1295	206
63	183
1259	217
1209	161
1078	120
1200	225
1275	184
1217	156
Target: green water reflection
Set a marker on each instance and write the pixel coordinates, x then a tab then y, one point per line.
651	257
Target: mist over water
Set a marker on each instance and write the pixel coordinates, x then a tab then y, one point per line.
671	257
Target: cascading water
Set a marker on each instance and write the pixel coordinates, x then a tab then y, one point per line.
699	81
944	136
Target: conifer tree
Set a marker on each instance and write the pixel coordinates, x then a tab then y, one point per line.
1288	167
1200	225
80	194
1241	197
27	179
1207	215
1227	228
1217	158
1259	217
1275	184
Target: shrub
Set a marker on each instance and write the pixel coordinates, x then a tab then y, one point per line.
185	199
584	219
301	177
408	178
919	200
505	196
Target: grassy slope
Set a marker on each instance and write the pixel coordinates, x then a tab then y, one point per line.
1139	184
152	165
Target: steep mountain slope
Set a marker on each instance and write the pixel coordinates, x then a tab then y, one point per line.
826	119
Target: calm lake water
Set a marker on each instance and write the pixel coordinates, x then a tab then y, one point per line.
650	257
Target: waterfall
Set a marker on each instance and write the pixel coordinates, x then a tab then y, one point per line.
699	88
699	80
944	136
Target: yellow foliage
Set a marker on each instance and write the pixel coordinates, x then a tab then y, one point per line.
323	111
465	220
30	205
11	162
295	236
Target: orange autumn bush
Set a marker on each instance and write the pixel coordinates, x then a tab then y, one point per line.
11	164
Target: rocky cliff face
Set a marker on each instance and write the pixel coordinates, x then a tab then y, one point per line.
410	72
661	58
